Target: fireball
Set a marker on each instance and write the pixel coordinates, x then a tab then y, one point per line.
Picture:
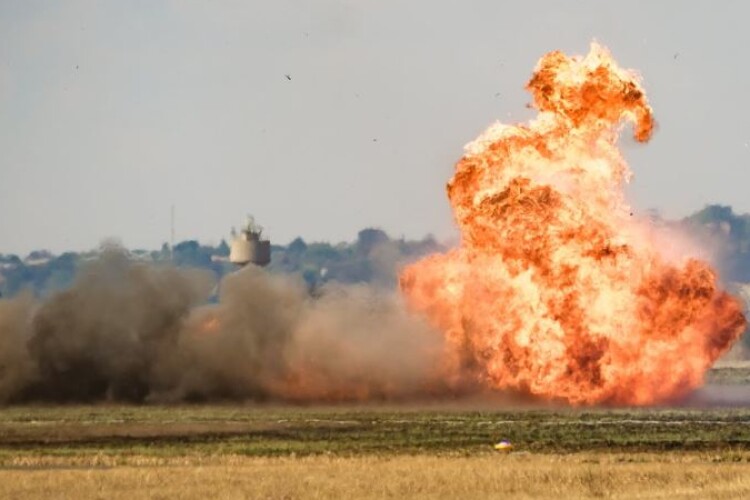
556	290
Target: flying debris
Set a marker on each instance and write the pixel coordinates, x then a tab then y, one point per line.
288	77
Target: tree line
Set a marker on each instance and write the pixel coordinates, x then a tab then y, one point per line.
372	258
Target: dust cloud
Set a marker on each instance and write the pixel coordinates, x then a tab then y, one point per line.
136	332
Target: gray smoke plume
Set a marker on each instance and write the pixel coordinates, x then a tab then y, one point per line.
16	366
136	332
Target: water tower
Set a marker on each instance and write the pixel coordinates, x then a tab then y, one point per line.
248	247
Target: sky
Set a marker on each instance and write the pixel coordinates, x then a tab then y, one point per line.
322	117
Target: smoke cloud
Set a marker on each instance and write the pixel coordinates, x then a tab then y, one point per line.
128	331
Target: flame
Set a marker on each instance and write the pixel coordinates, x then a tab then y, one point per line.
556	290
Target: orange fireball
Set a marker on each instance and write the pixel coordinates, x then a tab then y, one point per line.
555	289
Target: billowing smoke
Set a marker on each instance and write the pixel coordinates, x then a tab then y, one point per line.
16	367
135	332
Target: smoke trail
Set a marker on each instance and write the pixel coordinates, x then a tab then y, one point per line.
130	331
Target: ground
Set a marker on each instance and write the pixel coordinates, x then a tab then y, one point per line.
400	476
437	450
419	450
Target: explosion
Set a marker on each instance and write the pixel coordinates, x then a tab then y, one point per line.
556	289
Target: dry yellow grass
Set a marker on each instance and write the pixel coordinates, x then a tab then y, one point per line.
669	475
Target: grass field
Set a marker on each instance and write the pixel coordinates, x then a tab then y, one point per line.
730	373
164	431
402	476
433	451
440	450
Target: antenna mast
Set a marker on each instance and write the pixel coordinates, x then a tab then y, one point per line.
171	233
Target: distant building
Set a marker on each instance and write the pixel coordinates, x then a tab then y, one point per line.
249	247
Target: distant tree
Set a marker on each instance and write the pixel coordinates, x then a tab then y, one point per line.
311	277
712	213
293	256
425	246
325	253
728	235
11	259
191	254
355	270
39	255
297	246
165	250
223	249
17	279
369	238
62	271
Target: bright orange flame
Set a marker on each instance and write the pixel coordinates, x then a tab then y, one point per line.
556	289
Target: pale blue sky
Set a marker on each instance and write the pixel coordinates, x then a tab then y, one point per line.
110	112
